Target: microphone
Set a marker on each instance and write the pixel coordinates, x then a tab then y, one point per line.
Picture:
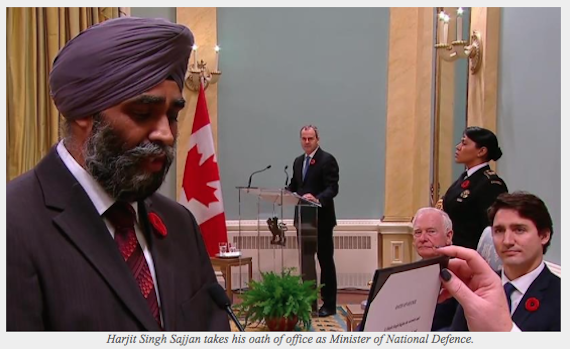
287	174
249	182
221	299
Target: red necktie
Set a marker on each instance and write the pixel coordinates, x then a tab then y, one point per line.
122	217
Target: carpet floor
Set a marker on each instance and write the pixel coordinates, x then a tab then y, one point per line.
333	323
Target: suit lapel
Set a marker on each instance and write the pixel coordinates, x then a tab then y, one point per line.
163	266
536	290
81	223
298	170
456	188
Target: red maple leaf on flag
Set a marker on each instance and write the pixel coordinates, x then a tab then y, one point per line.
197	177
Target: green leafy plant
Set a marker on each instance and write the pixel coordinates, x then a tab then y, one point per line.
283	295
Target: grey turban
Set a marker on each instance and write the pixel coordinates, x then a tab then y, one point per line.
116	60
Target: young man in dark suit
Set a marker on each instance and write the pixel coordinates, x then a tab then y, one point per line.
91	246
522	231
315	178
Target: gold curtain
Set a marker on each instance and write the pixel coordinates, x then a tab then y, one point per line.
34	36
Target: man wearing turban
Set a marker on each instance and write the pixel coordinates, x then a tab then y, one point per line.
91	246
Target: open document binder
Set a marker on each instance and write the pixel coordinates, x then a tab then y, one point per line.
403	298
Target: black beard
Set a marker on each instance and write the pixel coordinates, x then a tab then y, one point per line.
117	169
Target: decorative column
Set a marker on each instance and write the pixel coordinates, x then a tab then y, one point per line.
408	128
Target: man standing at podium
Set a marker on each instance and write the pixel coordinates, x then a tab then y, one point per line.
315	178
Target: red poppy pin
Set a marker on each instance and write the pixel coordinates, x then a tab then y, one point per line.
532	304
312	161
465	184
157	224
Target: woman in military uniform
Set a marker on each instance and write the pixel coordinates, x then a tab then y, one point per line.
467	200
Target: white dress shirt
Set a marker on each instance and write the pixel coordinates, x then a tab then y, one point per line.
521	285
102	202
475	168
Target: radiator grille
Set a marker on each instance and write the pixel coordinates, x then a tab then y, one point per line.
352	242
263	242
356	256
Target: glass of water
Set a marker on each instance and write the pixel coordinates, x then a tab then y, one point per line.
223	248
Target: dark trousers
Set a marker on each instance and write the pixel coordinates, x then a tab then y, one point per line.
321	243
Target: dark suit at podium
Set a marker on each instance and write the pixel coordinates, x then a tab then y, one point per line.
321	180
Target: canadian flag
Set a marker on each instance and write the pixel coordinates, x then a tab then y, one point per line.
201	187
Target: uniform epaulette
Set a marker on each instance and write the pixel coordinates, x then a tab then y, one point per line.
490	173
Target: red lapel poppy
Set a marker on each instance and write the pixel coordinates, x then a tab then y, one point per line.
532	304
465	184
312	161
157	224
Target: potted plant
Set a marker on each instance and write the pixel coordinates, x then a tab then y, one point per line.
280	300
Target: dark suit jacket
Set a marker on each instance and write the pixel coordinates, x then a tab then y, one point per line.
467	207
545	288
321	180
65	272
443	315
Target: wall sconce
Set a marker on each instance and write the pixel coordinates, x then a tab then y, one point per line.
198	72
459	48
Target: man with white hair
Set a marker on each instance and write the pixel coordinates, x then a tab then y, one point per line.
433	228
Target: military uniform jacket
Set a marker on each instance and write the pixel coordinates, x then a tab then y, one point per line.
466	202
